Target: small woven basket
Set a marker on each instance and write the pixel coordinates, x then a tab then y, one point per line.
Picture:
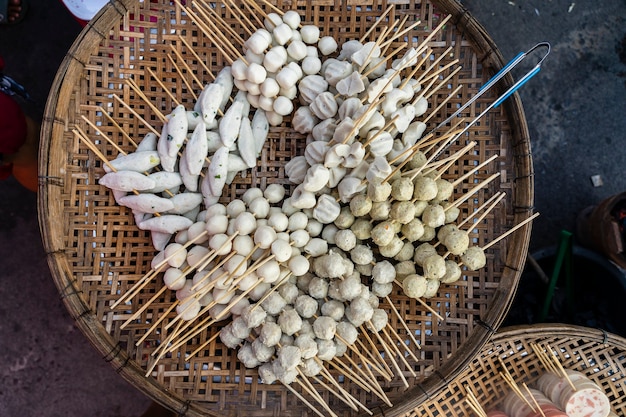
96	252
598	354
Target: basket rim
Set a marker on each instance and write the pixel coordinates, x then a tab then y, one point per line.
53	127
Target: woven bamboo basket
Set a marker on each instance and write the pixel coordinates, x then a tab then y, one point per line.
96	252
598	354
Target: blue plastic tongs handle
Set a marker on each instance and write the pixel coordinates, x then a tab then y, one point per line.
505	70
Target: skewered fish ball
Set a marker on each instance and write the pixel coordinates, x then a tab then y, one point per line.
228	338
413	230
306	306
359	311
414	285
453	272
422	252
361	254
289	321
383	233
381	290
425	188
346	331
380	210
452	212
402	212
270	334
326	349
362	229
392	248
445	189
474	258
434	267
311	367
318	288
334	309
378	321
174	279
457	242
350	287
266	373
402	189
324	328
403	269
360	205
316	247
432	286
285	376
434	216
289	356
262	352
307	345
378	191
345	240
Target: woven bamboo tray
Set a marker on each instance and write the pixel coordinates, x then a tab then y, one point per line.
598	354
96	252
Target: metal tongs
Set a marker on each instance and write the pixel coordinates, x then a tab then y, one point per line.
505	70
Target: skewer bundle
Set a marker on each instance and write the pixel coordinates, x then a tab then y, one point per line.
143	301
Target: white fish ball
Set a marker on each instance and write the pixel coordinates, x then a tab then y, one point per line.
297	221
174	279
248	281
474	258
289	321
381	290
383	272
239	69
292	18
299	265
278	221
311	65
324	328
266	103
188	310
176	254
274	193
359	311
310	33
196	254
256	73
259	207
252	87
282	105
221	244
250	194
297	50
272	20
286	77
216	224
239	306
282	34
457	241
264	236
314	227
289	292
327	45
414	285
269	87
329	232
270	334
316	247
245	223
235	207
306	306
378	321
223	295
345	240
259	291
269	271
281	250
243	244
236	266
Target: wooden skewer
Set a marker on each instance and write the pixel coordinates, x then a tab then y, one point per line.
367	59
308	387
416	68
424	43
402	32
304	400
472	191
348	373
403	322
156	361
560	367
114	123
474	404
185	81
508	378
155	324
474	169
239	16
379	63
131	83
137	115
202	346
324	372
430	309
195	54
402	342
427	94
398	352
434	74
533	399
362	357
272	7
373	349
167	90
344	396
391	358
513	229
541	355
443	103
376	22
143	307
252	12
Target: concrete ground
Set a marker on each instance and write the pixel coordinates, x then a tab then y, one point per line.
574	108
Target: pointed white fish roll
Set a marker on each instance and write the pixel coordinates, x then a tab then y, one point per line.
246	144
260	129
229	124
197	149
217	171
135	161
185	202
168	223
177	130
225	79
148	143
189	180
167	162
147	203
212	96
165	181
127	181
159	239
